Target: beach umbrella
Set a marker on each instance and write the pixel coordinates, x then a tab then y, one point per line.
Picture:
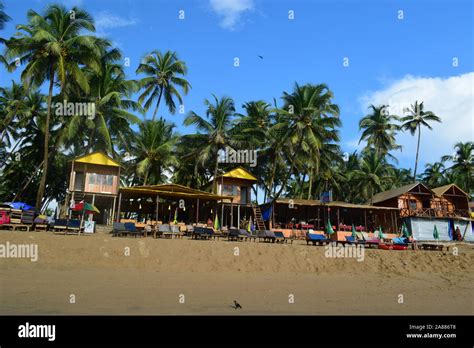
354	234
88	208
435	233
381	236
175	220
405	231
329	229
216	223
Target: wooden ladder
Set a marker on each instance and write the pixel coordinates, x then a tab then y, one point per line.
257	214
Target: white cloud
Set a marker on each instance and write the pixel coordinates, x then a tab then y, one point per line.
450	98
105	20
231	11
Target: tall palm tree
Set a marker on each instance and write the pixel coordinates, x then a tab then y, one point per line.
110	92
164	73
379	130
53	48
215	130
154	150
463	164
414	121
310	119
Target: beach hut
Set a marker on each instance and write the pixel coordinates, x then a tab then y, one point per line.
94	178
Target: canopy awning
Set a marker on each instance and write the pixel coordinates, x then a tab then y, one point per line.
171	190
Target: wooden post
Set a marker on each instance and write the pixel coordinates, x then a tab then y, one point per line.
157	207
113	208
365	221
238	216
338	224
118	207
222	214
197	210
232	213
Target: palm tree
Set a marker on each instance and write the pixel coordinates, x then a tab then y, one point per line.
3	16
310	119
53	49
434	174
154	150
372	175
379	130
413	122
463	164
215	131
163	76
110	92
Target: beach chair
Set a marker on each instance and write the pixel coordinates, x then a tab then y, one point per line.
73	226
132	229
60	226
176	231
280	238
317	239
246	235
118	229
266	236
165	231
208	233
189	230
234	234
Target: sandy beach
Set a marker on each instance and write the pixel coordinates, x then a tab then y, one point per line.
204	277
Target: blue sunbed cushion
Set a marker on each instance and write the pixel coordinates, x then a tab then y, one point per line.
74	223
313	236
130	226
350	239
279	235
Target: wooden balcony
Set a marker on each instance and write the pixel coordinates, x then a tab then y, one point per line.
429	212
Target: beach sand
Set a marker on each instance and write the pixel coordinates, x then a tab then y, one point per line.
263	278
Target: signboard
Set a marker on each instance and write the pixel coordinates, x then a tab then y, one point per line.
89	226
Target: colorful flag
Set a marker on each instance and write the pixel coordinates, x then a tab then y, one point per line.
216	223
435	233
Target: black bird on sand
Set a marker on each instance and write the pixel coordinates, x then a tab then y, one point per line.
237	305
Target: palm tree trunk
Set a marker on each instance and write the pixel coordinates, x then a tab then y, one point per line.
417	151
157	104
42	185
310	183
214	190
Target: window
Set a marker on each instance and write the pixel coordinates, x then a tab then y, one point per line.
412	204
230	190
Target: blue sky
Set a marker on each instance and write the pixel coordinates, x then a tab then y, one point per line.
391	59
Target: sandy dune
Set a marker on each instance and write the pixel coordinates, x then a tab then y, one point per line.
263	278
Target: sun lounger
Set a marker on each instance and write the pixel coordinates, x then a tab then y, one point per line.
189	230
267	236
317	239
280	238
165	231
246	235
60	226
433	246
132	229
119	229
234	234
73	226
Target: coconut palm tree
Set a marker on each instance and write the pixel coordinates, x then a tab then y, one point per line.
372	175
433	175
164	73
154	150
310	119
379	130
52	47
110	93
463	164
414	121
215	131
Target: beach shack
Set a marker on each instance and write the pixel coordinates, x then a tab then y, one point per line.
422	209
238	184
166	203
94	179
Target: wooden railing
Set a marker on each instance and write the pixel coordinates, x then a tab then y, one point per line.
429	212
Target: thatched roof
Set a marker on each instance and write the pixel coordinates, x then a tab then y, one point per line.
386	195
440	191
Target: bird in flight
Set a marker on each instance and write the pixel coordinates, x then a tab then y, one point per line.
261	57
